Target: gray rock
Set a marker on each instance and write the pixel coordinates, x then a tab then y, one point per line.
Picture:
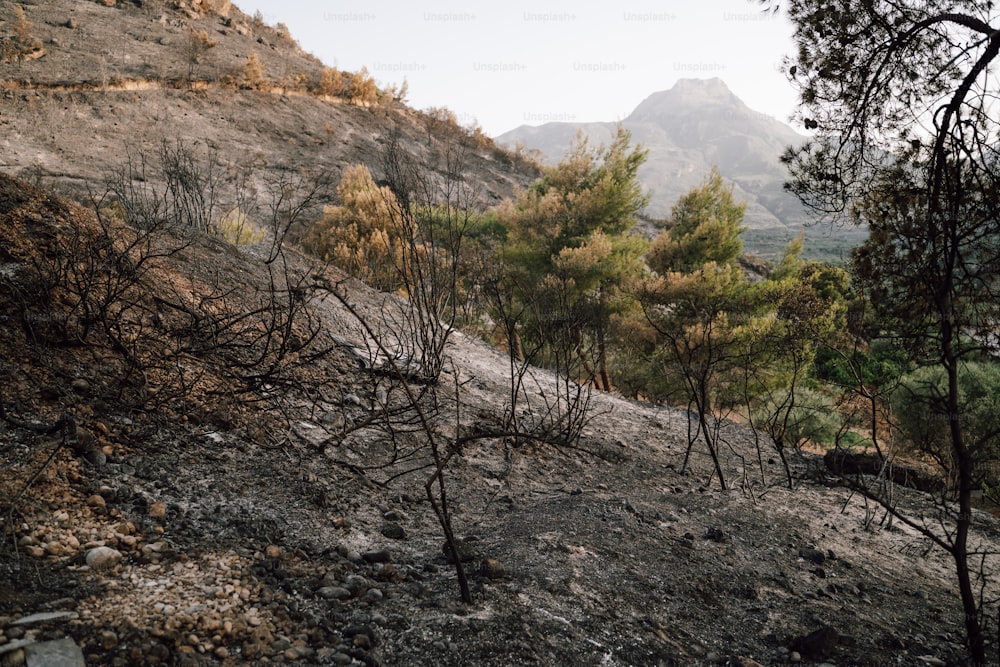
356	584
46	616
59	653
377	556
102	558
80	386
334	593
14	645
394	531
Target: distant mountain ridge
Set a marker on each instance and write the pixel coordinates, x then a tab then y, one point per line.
688	129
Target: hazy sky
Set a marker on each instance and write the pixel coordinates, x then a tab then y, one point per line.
508	63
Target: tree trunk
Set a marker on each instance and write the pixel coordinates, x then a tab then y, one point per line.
602	360
964	461
444	519
959	549
517	347
588	368
703	409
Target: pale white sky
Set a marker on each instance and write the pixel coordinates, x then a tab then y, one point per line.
511	62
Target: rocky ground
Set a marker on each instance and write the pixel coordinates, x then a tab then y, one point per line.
188	535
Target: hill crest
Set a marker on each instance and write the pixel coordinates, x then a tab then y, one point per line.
122	77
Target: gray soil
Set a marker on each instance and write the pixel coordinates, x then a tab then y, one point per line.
118	80
242	543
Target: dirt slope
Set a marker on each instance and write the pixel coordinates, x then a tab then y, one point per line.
240	542
121	79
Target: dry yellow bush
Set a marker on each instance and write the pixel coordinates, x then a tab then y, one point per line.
363	89
332	82
253	72
362	235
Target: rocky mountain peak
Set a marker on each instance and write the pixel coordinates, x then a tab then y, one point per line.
688	95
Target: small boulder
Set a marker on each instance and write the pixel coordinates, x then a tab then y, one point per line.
102	558
62	652
356	584
377	556
393	531
334	593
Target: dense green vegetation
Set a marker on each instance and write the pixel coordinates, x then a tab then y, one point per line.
798	349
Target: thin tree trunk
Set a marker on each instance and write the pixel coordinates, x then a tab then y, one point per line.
602	360
706	432
444	519
960	549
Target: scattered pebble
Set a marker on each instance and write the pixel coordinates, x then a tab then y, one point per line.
157	510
